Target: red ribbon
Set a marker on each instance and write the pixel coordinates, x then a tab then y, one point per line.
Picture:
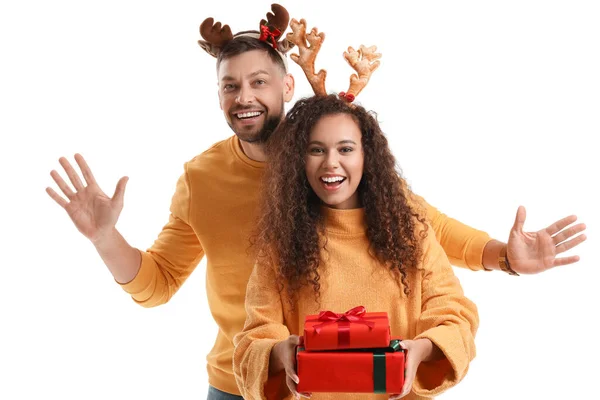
354	315
266	34
349	97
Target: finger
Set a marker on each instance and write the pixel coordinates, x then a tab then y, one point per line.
405	390
395	396
289	371
560	224
292	387
61	202
409	368
73	176
62	184
407	387
567	233
569	244
85	169
558	262
307	395
120	190
519	219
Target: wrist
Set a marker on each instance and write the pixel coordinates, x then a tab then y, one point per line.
425	348
491	253
275	364
504	263
495	257
429	351
105	240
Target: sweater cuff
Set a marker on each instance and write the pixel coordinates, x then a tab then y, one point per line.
261	385
143	284
434	377
474	255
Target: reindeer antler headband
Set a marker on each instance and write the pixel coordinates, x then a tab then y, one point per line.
365	60
271	30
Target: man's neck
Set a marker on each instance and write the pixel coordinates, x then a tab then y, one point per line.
254	151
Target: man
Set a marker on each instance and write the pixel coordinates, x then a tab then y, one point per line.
216	201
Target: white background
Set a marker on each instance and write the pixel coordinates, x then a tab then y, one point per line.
487	105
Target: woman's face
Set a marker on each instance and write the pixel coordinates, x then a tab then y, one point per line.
334	161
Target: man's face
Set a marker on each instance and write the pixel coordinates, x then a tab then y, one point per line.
252	92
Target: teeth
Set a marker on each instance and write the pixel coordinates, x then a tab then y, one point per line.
249	114
332	179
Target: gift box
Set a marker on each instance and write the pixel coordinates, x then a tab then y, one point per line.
354	329
351	371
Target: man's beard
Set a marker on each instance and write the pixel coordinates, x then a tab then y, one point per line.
265	132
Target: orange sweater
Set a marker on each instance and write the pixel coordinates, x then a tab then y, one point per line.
435	309
212	212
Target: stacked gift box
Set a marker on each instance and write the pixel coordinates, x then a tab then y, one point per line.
351	352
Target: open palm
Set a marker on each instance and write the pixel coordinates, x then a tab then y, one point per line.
534	252
90	209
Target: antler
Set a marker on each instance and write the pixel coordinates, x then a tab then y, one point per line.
214	33
308	53
278	19
364	61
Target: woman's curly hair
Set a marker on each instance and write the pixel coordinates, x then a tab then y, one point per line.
291	232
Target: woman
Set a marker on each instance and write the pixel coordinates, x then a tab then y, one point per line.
338	230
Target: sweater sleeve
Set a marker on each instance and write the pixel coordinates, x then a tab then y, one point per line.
173	256
263	329
462	244
448	319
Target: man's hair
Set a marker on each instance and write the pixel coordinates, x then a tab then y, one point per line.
242	44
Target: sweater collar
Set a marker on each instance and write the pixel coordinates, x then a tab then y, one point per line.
349	222
239	152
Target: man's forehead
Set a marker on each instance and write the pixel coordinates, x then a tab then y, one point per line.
246	65
226	75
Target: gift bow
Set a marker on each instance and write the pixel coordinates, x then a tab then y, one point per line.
266	34
354	315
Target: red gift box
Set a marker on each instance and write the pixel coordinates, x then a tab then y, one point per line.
354	329
355	371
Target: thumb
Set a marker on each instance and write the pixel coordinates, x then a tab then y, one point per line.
120	190
519	219
291	373
294	340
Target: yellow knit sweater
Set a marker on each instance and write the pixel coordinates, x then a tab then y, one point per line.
435	309
213	212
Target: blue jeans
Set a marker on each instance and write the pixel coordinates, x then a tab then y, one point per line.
216	394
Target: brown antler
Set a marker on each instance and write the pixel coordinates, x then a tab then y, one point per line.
308	53
214	34
278	19
364	61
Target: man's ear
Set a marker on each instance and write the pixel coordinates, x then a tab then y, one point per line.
288	87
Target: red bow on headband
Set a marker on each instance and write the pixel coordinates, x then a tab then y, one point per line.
266	34
349	97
